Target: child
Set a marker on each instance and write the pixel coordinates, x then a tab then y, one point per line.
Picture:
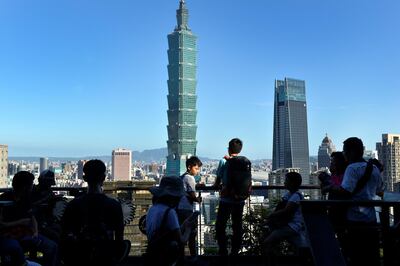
286	221
185	207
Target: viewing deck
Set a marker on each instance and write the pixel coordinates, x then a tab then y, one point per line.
324	249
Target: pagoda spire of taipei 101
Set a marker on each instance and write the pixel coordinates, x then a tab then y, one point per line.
182	97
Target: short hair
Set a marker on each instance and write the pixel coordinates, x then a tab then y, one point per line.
235	145
95	171
22	180
295	178
193	161
355	145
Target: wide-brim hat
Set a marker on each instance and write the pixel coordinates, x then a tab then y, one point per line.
169	186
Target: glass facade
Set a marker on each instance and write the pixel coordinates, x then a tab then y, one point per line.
182	97
290	140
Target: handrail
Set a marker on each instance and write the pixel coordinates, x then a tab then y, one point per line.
198	188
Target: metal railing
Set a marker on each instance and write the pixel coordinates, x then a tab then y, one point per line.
206	243
262	198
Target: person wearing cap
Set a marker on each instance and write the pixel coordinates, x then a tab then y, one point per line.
165	235
43	202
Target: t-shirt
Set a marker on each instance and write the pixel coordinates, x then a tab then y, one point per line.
189	185
353	173
92	211
297	222
155	216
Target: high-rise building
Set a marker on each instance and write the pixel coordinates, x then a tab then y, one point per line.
121	165
3	165
324	152
389	155
12	168
81	163
290	140
181	94
44	164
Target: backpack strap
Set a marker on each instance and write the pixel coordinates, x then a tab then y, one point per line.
362	182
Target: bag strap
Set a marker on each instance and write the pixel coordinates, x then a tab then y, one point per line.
362	182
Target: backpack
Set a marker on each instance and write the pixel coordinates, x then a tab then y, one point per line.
162	250
239	177
93	230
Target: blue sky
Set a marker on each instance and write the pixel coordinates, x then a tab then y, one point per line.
81	77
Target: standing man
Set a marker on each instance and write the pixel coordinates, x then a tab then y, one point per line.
234	179
361	181
185	207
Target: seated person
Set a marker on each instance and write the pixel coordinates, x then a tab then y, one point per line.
165	235
44	201
286	222
18	223
91	221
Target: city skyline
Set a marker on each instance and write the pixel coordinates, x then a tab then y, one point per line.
59	55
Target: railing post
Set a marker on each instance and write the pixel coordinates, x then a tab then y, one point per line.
199	227
385	223
250	223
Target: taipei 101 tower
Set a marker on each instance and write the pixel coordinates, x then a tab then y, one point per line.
181	94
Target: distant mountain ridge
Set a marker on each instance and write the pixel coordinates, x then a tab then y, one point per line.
147	156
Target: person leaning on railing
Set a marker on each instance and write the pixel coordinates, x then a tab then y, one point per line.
185	206
361	181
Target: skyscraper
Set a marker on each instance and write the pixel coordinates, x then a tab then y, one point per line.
81	164
44	164
121	164
290	138
389	155
3	165
181	94
324	152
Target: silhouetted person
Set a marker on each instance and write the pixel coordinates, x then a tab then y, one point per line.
19	223
164	233
286	222
91	221
234	178
337	168
44	201
361	181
